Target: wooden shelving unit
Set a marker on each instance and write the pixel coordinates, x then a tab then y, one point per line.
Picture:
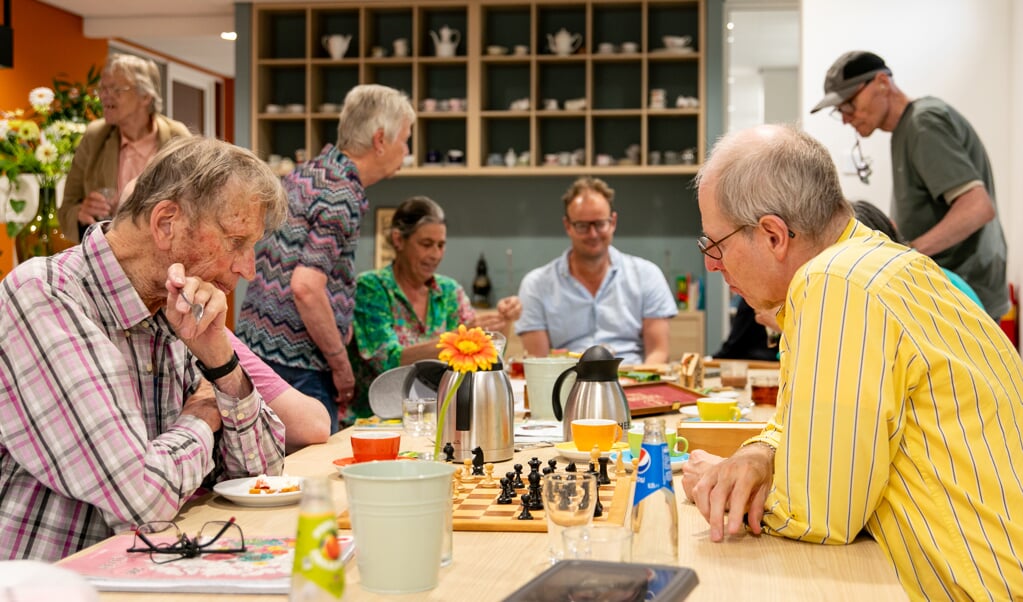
291	67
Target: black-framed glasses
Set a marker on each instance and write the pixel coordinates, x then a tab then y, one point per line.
861	163
165	542
847	107
711	248
583	226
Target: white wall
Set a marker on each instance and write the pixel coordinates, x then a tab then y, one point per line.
961	51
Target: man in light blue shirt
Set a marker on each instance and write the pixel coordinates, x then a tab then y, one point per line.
594	293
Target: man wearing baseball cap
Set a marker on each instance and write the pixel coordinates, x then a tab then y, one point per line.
943	185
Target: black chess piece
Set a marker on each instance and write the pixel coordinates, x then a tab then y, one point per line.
518	477
535	499
534	464
553	464
477	461
449	452
525	515
507	493
571	467
602	477
547	470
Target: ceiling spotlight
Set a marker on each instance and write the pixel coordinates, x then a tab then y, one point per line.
230	36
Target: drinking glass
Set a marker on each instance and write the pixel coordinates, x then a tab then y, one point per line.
568	501
419	416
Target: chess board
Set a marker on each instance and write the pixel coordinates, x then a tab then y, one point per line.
475	507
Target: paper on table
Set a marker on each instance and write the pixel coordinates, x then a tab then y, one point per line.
264	568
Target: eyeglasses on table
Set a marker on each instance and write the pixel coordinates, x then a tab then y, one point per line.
215	537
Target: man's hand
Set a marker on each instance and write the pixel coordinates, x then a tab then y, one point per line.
736	486
693	469
203	404
510	308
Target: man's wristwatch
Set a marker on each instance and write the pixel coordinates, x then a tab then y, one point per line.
212	374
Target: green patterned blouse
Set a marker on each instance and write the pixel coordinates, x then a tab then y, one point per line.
385	323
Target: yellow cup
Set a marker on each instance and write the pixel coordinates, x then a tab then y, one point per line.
718	409
587	432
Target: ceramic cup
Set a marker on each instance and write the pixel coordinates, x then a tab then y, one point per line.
372	445
541	372
399	516
600	432
630	47
635	438
401	47
429	104
718	410
606	48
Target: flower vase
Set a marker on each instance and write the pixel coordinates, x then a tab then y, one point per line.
41	236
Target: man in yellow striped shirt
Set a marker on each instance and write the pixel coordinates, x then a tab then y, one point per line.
899	410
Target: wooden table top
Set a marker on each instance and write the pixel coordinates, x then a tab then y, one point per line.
489	566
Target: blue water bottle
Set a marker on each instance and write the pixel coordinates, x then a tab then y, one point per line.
654	513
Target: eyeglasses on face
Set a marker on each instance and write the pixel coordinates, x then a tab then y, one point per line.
113	90
165	542
711	248
847	107
583	226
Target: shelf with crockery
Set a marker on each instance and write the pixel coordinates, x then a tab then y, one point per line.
501	87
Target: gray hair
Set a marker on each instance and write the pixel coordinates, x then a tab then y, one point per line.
142	73
591	184
199	173
368	108
776	170
414	213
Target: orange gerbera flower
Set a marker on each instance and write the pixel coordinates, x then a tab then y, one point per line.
467	349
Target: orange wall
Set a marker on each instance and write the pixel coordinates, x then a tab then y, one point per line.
47	42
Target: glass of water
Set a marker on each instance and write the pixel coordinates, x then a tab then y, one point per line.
419	416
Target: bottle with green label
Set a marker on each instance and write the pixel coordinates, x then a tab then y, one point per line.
318	574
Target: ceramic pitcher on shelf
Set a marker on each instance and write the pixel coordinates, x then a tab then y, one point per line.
563	42
446	43
336	45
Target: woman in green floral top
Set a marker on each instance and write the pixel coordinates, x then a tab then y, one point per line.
402	309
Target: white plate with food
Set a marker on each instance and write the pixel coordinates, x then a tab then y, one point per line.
567	449
262	490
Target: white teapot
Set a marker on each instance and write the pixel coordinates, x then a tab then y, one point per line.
336	45
563	42
446	43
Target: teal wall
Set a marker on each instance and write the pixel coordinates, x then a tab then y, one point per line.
658	215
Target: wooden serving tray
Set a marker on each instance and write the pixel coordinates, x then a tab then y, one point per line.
658	397
475	507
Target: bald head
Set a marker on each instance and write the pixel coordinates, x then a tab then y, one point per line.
775	170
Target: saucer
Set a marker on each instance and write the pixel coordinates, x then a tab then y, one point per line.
691	412
676	461
568	450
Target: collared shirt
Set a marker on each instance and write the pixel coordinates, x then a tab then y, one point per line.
898	412
134	156
386	322
633	289
326	203
92	439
